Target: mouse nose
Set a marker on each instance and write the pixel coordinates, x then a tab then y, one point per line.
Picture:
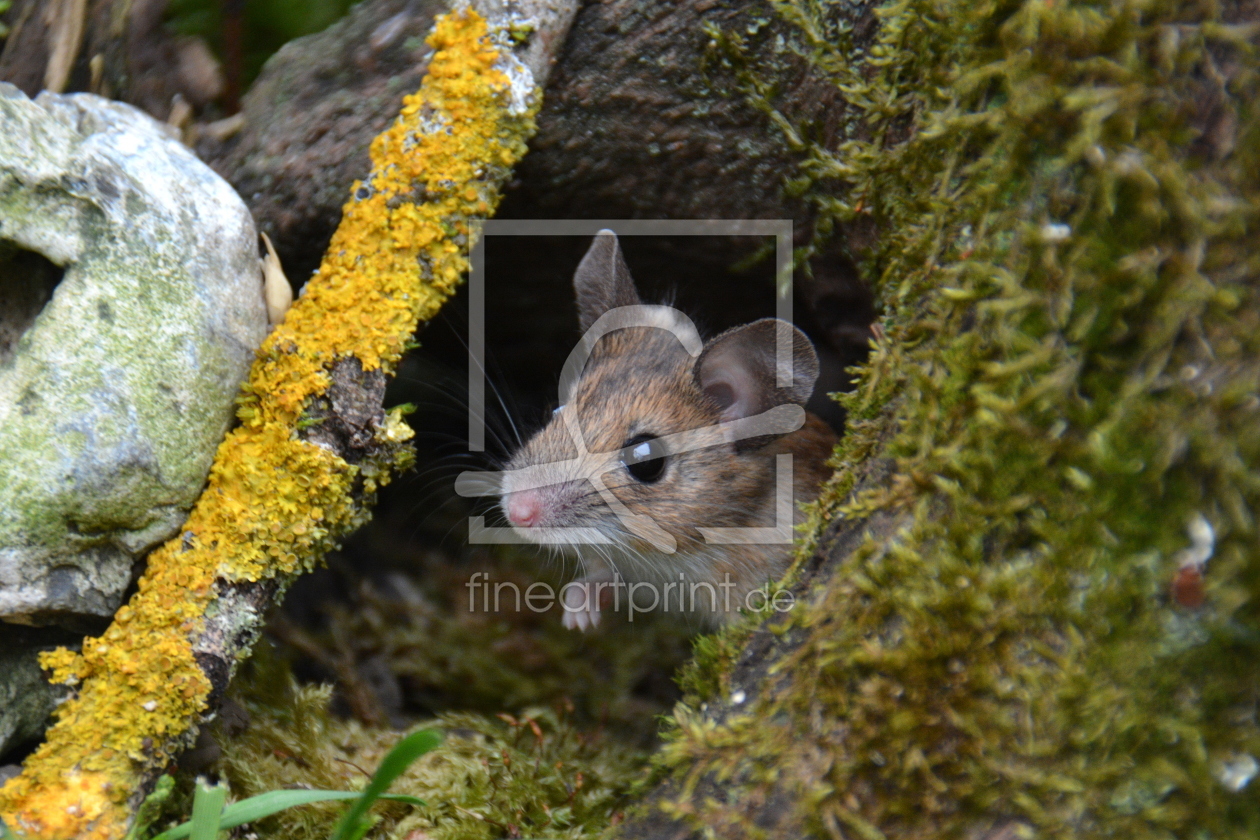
524	508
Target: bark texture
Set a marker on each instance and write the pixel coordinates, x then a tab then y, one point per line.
646	116
1029	609
307	122
642	118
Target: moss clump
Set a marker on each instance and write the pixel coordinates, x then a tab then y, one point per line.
526	775
1067	198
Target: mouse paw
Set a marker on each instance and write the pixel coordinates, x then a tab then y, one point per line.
580	619
581	603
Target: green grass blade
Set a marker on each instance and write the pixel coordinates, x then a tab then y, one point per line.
352	825
266	804
273	802
150	809
207	810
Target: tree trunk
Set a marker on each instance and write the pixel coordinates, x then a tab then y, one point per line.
1029	602
119	49
1031	606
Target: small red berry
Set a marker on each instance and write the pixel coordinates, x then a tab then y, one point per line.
1187	587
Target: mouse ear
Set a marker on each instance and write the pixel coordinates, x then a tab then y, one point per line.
738	369
602	280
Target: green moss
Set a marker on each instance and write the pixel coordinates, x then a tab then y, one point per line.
1066	199
532	774
701	678
481	675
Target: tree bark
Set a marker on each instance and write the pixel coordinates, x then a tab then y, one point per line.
1037	561
641	119
647	116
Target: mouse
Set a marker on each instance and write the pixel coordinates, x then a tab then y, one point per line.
664	467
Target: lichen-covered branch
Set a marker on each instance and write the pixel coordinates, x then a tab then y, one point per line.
313	444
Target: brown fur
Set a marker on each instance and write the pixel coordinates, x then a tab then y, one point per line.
641	381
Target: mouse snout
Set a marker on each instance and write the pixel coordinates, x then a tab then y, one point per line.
524	508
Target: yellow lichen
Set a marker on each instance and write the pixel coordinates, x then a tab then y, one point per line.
275	503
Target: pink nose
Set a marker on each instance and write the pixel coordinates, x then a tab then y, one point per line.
523	508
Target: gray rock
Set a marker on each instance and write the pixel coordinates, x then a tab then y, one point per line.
26	699
130	309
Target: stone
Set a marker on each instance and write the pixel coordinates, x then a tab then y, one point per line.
130	309
26	699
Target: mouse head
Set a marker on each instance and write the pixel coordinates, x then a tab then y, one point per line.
642	380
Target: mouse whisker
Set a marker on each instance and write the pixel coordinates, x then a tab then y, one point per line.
498	394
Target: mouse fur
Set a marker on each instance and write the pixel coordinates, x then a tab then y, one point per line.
640	384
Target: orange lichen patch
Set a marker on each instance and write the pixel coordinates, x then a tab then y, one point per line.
275	503
74	804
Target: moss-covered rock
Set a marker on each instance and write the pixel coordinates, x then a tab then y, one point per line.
312	448
1032	609
25	697
116	385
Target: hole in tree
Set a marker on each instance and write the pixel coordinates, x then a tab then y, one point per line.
27	280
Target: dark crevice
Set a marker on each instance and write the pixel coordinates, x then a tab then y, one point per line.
27	280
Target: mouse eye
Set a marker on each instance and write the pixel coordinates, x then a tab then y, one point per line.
644	458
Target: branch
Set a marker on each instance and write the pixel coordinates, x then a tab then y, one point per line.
300	471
